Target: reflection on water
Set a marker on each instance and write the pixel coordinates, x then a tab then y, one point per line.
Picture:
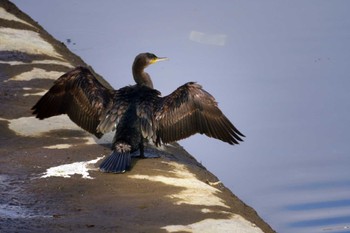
336	215
319	205
322	222
328	212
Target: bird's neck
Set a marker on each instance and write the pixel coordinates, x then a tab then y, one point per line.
142	78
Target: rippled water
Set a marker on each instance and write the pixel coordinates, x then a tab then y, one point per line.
313	207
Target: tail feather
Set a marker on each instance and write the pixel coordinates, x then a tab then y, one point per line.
116	163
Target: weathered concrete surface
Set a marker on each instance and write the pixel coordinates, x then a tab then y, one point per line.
173	193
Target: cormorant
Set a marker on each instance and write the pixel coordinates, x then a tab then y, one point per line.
136	112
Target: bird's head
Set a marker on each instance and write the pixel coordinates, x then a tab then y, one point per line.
145	59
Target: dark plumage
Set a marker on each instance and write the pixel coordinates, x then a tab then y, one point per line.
136	112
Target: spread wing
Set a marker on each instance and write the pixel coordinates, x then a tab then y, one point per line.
78	94
189	110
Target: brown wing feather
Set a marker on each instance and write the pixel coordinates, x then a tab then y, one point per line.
189	110
79	95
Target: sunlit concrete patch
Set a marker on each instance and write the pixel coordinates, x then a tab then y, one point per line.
234	224
38	62
39	93
58	146
206	211
211	39
8	16
195	191
25	41
90	140
36	73
33	127
68	170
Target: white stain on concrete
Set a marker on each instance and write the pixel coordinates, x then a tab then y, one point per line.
195	192
68	170
8	16
233	224
25	41
36	73
210	39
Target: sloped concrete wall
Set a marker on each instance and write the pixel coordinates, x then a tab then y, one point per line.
49	180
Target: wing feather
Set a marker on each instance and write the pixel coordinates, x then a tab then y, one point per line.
189	110
78	94
115	111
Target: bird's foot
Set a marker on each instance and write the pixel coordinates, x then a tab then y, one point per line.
146	155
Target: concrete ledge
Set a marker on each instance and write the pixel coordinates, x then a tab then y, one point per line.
49	181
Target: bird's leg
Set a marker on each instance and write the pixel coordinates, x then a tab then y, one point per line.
142	149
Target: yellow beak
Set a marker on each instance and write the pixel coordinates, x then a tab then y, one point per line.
159	59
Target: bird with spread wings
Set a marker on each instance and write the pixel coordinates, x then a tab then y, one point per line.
136	112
